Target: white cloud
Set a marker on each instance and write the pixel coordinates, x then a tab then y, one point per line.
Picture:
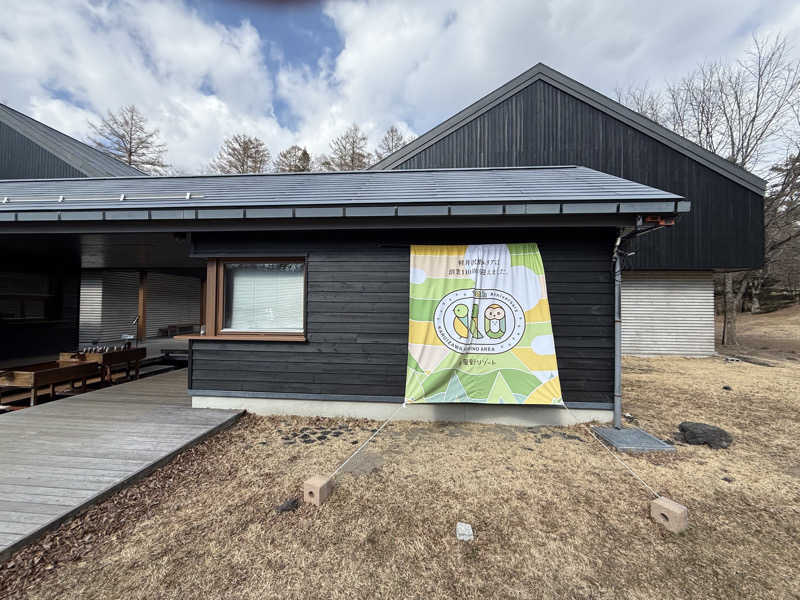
413	62
195	81
423	61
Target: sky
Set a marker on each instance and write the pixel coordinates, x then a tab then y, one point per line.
301	72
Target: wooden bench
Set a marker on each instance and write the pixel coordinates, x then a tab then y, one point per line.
173	330
51	374
129	357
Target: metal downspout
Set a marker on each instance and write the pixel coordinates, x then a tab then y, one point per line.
617	335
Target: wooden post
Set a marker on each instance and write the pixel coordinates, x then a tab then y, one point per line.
52	391
203	303
33	396
141	328
211	298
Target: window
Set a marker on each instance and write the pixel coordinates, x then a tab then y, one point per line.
264	297
29	297
256	298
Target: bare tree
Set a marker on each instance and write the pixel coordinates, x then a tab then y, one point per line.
125	136
293	160
781	229
741	111
644	100
392	141
240	154
348	152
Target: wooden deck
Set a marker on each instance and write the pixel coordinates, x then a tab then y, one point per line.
58	458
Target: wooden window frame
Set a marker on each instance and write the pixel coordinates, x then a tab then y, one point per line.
215	302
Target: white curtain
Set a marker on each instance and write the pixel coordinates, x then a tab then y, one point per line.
264	297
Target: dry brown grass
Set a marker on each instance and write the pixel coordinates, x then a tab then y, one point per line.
772	335
553	517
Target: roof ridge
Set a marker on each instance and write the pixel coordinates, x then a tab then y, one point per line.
617	110
94	162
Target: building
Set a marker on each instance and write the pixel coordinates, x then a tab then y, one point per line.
44	308
331	295
543	117
542	159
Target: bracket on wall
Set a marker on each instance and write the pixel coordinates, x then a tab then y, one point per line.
662	221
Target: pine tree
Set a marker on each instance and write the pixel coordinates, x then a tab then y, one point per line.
348	152
392	141
293	160
125	136
240	154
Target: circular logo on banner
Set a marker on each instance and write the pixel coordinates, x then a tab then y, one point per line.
479	321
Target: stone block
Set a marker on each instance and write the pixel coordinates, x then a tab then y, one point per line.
317	489
670	514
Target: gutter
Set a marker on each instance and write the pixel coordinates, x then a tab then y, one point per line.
617	334
617	256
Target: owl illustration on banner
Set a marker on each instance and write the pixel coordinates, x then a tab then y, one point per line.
494	321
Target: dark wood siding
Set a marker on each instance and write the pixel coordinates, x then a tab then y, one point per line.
358	315
541	125
20	158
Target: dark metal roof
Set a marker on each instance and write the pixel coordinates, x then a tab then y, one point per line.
89	161
527	190
595	99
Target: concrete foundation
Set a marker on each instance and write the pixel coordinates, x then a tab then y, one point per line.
458	413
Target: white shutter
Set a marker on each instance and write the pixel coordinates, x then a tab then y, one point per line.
91	307
109	303
171	300
666	312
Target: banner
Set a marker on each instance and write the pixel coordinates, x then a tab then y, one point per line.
479	326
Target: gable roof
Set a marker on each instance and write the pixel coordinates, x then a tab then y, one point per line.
542	72
89	161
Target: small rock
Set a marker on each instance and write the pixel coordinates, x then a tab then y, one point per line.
288	506
702	433
727	387
526	448
728	479
464	532
354	442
